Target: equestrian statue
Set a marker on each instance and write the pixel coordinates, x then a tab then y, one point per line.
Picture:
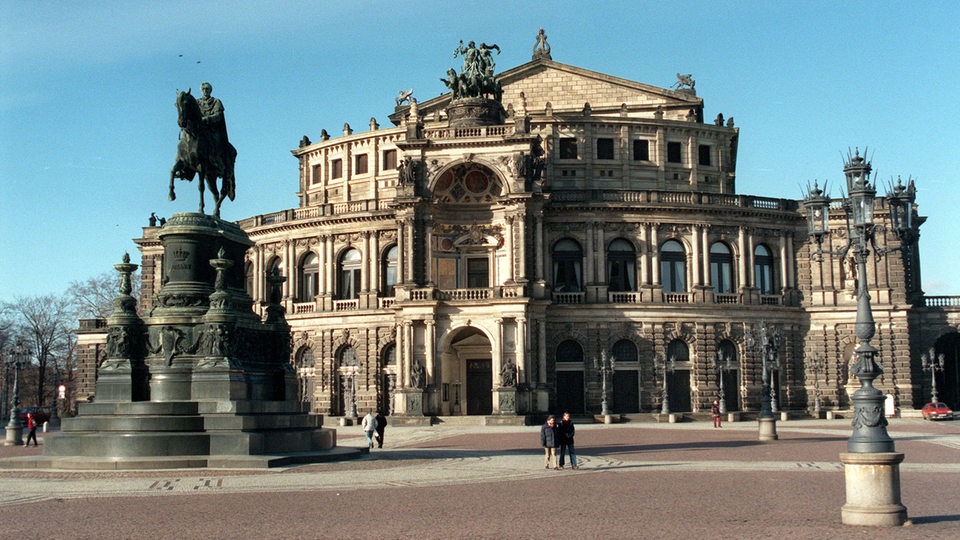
204	149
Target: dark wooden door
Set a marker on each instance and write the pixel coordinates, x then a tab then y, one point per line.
479	387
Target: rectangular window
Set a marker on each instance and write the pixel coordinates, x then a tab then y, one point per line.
568	148
315	178
604	148
336	168
478	273
674	153
641	150
389	160
361	164
704	155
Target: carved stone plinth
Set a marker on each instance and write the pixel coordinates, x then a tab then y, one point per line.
873	489
505	399
470	112
408	402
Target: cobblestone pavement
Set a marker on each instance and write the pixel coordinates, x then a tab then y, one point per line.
640	480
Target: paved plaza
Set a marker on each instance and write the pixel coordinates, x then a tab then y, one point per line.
637	480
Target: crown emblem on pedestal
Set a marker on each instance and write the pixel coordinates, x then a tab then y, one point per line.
180	254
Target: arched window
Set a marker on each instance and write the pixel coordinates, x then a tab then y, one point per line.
272	293
721	268
678	381
731	379
673	267
248	279
678	350
306	372
309	277
567	266
621	266
348	277
348	357
569	351
763	269
625	351
390	355
388	271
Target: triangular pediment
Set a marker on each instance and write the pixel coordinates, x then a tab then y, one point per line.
556	89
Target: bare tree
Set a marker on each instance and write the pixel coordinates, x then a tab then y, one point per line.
45	322
93	297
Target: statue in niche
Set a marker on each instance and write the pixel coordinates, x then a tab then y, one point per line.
416	375
508	374
407	172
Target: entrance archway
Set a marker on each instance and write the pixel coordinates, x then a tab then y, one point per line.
948	380
466	367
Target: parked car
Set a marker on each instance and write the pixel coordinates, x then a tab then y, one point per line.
936	410
40	414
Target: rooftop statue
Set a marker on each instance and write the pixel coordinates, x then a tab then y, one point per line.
477	79
204	149
542	48
684	82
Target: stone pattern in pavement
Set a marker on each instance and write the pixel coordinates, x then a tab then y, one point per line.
637	480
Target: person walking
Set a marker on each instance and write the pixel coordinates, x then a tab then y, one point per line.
381	428
715	411
549	436
566	431
369	425
32	426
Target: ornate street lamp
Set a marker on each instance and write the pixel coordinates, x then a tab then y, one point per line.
933	363
606	365
869	423
17	359
667	366
722	363
818	364
766	341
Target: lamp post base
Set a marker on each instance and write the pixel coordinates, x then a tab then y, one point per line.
873	489
767	429
14	436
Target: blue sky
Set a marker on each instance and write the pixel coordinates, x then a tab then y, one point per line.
88	127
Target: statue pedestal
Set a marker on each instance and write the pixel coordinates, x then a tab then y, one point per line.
14	435
767	429
505	400
873	489
408	402
470	112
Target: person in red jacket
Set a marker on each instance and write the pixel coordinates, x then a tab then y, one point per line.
715	411
32	426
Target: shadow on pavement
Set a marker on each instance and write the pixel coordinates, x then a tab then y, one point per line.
934	519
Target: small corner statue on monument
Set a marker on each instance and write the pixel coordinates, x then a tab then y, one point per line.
204	149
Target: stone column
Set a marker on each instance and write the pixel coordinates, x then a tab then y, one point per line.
521	236
508	247
588	275
538	244
401	253
523	370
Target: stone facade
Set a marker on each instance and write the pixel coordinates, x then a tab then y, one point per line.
438	270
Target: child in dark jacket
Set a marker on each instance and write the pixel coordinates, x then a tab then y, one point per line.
549	438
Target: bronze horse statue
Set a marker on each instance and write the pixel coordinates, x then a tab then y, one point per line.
202	152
